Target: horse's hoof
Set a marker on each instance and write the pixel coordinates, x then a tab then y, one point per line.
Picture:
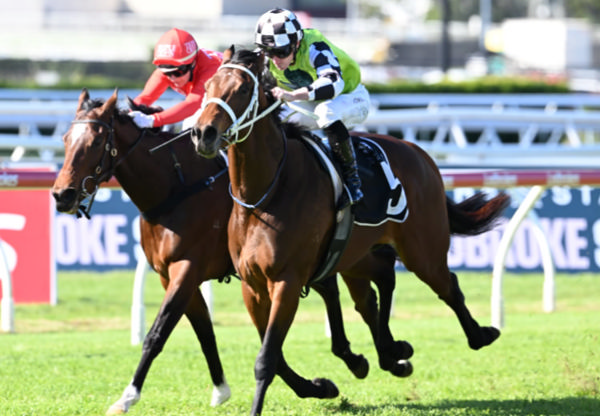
328	388
130	396
488	334
403	350
220	394
361	368
402	368
115	409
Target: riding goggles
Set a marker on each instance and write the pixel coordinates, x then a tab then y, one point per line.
174	71
280	52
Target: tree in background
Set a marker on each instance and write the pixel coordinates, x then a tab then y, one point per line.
462	10
583	9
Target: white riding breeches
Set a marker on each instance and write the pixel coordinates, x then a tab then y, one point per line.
352	109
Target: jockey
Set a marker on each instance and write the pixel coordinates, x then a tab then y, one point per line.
322	78
181	65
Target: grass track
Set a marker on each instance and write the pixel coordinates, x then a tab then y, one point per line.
75	358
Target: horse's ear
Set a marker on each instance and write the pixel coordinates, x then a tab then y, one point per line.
83	97
228	53
110	104
131	104
260	62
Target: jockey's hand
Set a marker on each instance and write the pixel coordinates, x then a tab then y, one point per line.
284	95
142	120
281	94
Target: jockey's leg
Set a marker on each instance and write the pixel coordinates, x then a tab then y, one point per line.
341	145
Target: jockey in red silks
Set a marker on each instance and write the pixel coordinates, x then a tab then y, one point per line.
184	67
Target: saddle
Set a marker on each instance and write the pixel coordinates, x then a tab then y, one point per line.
384	196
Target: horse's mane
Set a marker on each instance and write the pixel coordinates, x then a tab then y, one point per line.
90	104
120	114
247	57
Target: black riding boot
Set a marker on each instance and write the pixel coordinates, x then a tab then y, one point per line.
341	145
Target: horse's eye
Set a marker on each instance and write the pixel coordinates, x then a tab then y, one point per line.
245	88
98	140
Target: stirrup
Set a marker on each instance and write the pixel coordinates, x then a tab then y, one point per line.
356	195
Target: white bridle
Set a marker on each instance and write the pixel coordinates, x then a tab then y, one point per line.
250	114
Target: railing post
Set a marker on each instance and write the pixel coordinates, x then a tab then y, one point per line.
497	302
7	309
138	312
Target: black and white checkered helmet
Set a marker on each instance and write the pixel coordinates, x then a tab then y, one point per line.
277	28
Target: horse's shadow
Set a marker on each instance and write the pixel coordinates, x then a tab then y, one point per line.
568	406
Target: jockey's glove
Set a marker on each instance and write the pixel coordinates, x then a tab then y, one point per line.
142	120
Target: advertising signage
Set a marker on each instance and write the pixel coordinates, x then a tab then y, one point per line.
108	240
569	218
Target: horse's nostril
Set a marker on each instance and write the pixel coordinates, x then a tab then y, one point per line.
65	199
209	133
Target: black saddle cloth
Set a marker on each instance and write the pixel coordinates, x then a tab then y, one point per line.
384	197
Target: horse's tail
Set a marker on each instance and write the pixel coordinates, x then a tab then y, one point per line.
475	215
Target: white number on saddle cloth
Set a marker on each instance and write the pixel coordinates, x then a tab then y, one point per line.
397	202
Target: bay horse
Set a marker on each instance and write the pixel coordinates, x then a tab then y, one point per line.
185	206
282	223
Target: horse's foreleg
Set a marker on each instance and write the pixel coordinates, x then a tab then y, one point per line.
320	388
477	335
340	346
258	304
177	296
383	274
285	297
393	355
198	315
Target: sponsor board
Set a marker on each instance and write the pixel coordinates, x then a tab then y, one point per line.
25	236
569	218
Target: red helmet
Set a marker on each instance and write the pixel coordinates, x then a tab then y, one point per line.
176	47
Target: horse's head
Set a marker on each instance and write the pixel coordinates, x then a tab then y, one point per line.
89	152
231	102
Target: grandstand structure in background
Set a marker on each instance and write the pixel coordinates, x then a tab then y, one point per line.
403	44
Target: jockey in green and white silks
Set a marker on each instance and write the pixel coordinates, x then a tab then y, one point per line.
332	79
319	77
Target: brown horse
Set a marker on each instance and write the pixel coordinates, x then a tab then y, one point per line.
185	206
282	224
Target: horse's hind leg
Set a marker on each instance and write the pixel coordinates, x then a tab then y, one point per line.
445	284
477	335
340	346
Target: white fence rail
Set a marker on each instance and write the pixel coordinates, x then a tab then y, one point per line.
32	123
458	130
507	130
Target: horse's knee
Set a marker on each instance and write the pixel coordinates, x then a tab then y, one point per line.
153	343
265	366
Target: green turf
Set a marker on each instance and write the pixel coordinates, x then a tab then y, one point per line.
75	358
